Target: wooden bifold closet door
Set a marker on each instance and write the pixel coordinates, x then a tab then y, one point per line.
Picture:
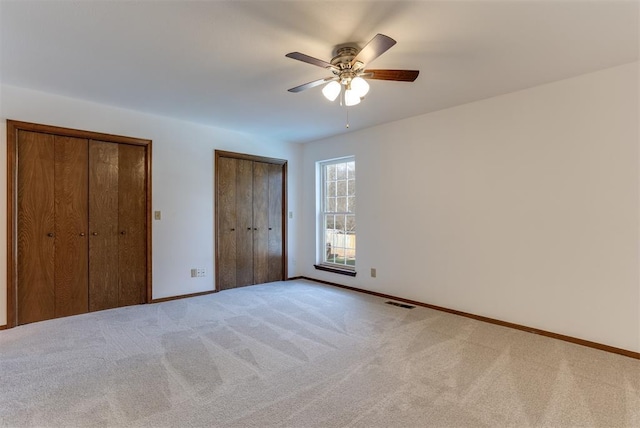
79	213
116	224
52	224
250	238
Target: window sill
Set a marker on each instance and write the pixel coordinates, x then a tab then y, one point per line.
332	269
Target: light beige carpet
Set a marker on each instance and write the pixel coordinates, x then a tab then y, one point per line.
301	354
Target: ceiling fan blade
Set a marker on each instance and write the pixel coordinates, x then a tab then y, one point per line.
397	75
313	84
310	60
372	50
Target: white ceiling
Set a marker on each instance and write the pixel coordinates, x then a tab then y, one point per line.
222	63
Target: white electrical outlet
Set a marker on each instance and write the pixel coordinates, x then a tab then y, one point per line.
198	272
373	272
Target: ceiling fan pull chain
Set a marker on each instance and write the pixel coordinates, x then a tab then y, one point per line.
347	109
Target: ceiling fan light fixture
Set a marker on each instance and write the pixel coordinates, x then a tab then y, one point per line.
351	98
360	86
349	71
331	90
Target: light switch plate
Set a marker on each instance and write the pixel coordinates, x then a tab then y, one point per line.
157	215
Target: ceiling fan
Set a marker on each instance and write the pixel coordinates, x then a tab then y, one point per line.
349	73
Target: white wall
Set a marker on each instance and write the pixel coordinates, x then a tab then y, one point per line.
183	158
522	207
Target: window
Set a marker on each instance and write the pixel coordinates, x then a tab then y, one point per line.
337	213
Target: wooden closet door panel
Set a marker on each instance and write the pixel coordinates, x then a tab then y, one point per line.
103	225
260	222
227	226
132	248
71	214
276	186
36	227
244	210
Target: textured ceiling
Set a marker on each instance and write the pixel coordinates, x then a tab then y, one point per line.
222	63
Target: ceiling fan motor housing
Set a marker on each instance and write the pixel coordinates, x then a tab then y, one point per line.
345	70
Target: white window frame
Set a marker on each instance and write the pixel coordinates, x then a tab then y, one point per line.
347	249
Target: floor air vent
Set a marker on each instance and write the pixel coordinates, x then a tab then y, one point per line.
401	305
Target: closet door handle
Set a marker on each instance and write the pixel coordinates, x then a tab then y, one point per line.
270	228
50	235
255	228
233	230
248	228
95	233
123	233
81	233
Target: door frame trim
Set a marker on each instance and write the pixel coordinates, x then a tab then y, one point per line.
244	156
13	126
